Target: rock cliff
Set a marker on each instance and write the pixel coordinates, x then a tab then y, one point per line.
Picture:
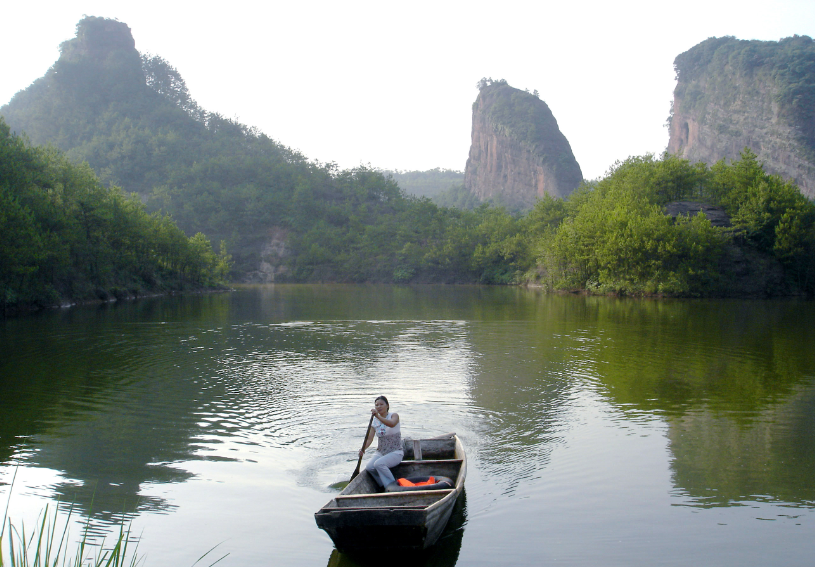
518	153
98	74
731	94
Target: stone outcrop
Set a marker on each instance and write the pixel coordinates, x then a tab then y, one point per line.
98	38
716	215
273	255
734	94
518	154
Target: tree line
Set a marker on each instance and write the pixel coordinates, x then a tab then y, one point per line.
132	120
67	236
613	235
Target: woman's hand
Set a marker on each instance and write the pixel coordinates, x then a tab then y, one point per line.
361	452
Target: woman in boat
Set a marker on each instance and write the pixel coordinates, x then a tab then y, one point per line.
389	452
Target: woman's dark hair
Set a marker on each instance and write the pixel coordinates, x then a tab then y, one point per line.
384	399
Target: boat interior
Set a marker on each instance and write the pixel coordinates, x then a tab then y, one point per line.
440	456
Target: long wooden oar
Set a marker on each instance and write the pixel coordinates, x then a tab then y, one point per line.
359	462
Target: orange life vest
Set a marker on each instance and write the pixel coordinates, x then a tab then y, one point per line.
406	482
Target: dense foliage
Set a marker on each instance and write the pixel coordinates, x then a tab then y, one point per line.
65	235
615	236
358	226
725	64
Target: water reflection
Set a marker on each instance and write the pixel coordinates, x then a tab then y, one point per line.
722	459
202	411
97	407
737	398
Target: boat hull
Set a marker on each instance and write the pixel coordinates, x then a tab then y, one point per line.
361	518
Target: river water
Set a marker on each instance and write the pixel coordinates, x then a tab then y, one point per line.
599	431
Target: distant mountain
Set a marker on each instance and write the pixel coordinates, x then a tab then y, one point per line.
731	94
518	153
428	183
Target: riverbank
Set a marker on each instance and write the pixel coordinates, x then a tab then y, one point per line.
104	296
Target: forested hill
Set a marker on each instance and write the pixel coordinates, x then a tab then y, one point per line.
283	217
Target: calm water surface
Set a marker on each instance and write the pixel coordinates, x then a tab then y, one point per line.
599	431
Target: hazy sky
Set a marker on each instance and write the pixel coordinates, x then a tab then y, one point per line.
392	85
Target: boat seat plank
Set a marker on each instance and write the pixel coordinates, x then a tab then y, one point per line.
368	509
443	448
422	498
392	495
431	462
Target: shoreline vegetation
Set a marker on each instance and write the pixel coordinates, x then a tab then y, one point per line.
66	238
47	544
122	119
615	235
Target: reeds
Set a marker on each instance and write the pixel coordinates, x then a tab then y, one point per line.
47	545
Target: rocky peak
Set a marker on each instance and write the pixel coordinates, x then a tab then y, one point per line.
733	94
98	67
97	37
518	153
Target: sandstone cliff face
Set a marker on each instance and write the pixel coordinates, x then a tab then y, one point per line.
733	94
518	153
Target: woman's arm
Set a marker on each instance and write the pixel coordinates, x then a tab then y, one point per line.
389	422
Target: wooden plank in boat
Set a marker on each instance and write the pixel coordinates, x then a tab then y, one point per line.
368	508
416	497
417	449
432	448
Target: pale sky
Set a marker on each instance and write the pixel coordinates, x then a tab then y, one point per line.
392	84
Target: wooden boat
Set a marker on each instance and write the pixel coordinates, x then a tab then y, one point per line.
364	517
